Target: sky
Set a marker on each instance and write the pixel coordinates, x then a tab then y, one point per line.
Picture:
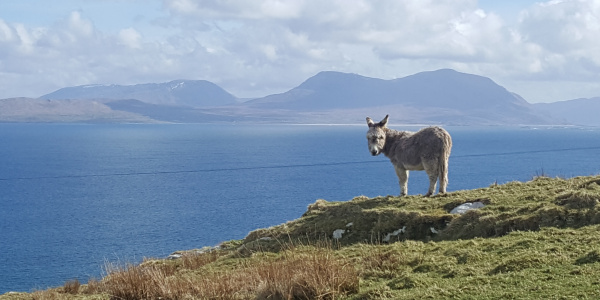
545	51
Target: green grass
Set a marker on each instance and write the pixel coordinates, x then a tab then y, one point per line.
538	239
550	263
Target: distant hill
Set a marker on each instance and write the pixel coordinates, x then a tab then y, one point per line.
39	110
583	111
191	93
442	96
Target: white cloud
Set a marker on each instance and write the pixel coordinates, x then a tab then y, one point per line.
565	37
79	26
253	48
131	38
6	32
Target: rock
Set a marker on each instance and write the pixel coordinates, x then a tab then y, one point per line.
174	256
463	208
179	254
337	234
395	233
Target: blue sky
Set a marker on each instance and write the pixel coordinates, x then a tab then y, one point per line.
543	50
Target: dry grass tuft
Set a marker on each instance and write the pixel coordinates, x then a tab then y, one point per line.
72	287
313	274
579	199
196	260
310	273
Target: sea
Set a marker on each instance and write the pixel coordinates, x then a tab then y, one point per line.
76	197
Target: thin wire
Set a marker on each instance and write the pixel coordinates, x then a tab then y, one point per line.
282	166
187	171
528	152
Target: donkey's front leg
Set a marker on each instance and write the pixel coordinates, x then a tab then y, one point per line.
403	180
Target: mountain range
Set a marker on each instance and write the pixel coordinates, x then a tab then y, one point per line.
434	97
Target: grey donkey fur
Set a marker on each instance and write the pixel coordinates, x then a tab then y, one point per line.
428	149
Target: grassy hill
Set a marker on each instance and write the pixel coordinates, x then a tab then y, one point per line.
532	240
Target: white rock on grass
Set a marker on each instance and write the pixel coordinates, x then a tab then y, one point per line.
395	233
337	234
174	256
463	208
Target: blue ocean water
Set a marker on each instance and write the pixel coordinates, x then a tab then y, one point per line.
73	196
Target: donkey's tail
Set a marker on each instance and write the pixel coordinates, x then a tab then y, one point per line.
443	167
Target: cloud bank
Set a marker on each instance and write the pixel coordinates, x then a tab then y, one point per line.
254	48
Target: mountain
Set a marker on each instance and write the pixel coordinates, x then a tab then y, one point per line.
583	111
442	96
191	93
443	88
327	90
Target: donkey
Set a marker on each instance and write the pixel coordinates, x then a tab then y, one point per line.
428	149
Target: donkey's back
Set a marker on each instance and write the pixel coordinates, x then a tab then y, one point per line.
428	149
411	149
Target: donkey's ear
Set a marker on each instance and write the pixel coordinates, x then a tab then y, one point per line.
384	121
370	122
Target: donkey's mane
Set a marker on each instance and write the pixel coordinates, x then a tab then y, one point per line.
394	132
393	136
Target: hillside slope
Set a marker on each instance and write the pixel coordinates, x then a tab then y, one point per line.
39	110
582	111
532	240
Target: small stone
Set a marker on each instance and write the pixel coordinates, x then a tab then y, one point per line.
174	256
395	233
463	208
337	234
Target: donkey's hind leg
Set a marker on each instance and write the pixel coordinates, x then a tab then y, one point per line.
443	180
432	172
432	183
443	175
402	180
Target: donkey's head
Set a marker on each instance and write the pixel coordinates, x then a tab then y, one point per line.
376	135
